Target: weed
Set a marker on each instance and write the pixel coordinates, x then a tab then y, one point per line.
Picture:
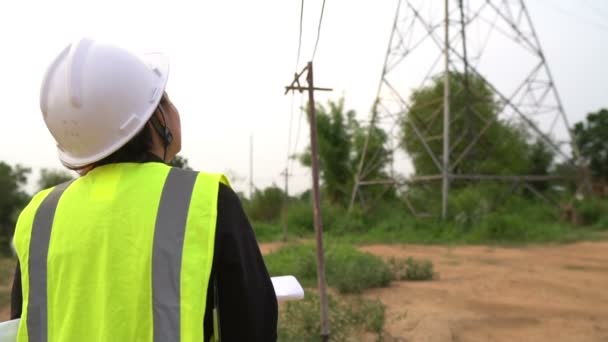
347	269
299	320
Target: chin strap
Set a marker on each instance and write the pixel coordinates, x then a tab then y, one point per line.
163	130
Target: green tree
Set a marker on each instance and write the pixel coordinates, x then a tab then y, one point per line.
501	149
265	205
334	147
13	199
49	178
180	162
592	138
377	156
540	159
340	140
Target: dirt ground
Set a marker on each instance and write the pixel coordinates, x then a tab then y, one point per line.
546	293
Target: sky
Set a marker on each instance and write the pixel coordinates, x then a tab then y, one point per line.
230	61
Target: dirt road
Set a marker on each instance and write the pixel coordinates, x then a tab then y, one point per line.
549	293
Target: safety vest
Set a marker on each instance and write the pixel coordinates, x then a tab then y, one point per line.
121	254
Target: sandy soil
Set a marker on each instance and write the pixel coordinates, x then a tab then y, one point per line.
549	293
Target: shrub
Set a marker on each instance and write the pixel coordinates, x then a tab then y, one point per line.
350	270
300	321
505	227
297	260
602	224
412	269
346	268
267	232
300	217
591	210
419	270
265	205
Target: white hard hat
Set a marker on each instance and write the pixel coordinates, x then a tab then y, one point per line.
95	97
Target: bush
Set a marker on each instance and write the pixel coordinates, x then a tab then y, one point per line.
591	210
419	270
265	205
468	206
346	269
300	217
267	232
412	269
602	224
297	260
7	270
300	320
503	227
350	270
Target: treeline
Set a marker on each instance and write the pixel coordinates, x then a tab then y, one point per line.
478	210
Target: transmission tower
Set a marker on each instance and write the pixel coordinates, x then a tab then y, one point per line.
491	40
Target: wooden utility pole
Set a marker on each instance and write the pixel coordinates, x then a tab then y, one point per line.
285	203
316	198
251	166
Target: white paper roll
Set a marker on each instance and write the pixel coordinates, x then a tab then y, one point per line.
8	330
287	288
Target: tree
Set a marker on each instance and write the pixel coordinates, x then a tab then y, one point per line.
49	178
540	159
334	146
265	205
340	140
501	149
180	162
13	199
591	137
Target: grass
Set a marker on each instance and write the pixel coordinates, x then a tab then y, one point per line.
267	232
347	269
473	219
494	230
7	269
412	269
299	320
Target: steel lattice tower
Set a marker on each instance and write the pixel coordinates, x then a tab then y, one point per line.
493	40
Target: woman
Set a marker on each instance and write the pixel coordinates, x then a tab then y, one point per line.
133	250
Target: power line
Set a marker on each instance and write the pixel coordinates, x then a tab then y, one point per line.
318	31
295	148
300	35
290	131
580	19
596	10
293	93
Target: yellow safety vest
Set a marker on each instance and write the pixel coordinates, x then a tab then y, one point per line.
121	254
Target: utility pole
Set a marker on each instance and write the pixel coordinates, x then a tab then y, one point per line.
285	203
446	120
316	198
251	166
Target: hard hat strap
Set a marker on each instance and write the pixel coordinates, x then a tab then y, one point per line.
163	130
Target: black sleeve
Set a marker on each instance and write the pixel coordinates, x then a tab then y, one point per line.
16	296
247	302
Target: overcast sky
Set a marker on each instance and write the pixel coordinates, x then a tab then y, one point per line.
231	59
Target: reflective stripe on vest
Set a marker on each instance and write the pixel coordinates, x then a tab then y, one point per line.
181	256
167	253
37	319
